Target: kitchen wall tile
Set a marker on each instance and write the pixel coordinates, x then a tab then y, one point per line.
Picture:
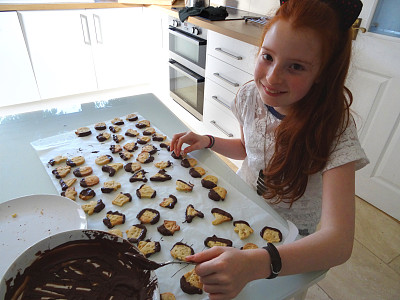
377	231
264	7
363	276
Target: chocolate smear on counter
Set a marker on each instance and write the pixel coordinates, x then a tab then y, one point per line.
85	269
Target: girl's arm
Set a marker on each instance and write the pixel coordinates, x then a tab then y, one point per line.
232	148
225	271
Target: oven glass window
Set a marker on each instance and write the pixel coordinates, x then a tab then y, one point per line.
187	88
187	46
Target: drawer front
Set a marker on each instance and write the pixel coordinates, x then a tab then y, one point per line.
221	97
218	122
236	53
226	75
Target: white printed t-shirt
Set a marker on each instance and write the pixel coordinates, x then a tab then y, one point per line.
258	124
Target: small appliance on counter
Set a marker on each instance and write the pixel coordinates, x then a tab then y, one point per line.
197	3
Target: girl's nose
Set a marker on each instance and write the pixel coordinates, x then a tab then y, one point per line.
274	75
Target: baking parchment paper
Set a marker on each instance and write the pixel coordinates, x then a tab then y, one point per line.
194	233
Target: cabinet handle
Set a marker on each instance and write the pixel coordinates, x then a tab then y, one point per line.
85	30
97	27
221	102
234	84
221	129
229	54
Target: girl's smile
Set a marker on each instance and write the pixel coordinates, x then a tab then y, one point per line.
287	65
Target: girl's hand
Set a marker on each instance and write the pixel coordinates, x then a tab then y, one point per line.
224	271
195	142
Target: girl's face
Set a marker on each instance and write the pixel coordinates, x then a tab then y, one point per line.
287	65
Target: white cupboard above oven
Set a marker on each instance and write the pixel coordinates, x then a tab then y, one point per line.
230	64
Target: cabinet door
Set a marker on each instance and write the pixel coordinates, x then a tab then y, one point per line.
60	47
119	53
17	81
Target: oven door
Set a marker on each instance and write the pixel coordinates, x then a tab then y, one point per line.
187	88
188	49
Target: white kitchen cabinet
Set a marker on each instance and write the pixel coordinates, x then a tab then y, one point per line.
230	64
118	49
77	51
17	80
60	48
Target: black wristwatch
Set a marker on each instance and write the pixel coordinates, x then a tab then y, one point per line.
276	263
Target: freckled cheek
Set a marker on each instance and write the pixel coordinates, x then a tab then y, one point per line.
300	87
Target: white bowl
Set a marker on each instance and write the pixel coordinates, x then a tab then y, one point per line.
49	243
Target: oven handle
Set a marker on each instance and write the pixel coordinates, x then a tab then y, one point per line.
194	76
188	37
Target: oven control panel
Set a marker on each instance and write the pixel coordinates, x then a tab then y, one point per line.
188	27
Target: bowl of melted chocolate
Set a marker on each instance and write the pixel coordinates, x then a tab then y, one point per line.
79	264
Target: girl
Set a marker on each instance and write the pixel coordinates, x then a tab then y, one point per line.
297	129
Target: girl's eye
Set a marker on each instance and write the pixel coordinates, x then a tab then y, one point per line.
267	57
297	67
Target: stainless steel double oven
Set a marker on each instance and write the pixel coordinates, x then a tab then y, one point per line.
187	61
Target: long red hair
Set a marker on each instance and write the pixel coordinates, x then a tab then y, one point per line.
305	137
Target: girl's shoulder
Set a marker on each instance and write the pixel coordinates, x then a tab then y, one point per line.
347	148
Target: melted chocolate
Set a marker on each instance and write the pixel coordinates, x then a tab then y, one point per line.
138	176
164	230
188	288
161	176
141	125
106	190
99	206
175	156
208	184
189	218
107	221
164	145
56	174
185	163
172	204
100	127
86	133
110	170
101	138
214	238
155	219
112	129
213	195
194	173
272	229
128	168
142	234
217	210
91	269
64	186
87	194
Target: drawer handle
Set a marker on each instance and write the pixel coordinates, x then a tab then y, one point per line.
229	54
234	84
221	129
221	102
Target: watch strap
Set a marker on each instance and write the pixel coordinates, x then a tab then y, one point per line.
276	263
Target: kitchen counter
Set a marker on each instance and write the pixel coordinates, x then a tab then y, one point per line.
26	175
236	29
